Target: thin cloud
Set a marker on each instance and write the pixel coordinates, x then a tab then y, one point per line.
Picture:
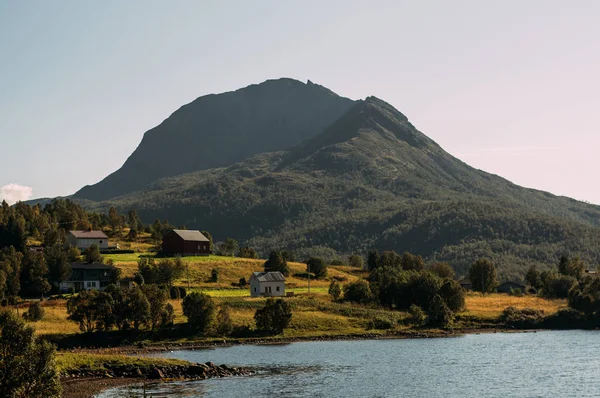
14	193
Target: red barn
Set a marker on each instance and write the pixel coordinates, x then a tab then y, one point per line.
185	243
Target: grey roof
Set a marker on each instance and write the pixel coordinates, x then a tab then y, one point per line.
89	234
191	235
269	276
91	266
511	283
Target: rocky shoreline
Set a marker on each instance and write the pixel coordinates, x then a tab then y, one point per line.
85	383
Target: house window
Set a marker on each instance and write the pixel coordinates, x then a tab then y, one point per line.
277	288
198	247
254	290
100	242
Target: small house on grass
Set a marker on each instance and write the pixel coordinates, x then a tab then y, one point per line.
508	287
87	276
181	242
84	239
267	284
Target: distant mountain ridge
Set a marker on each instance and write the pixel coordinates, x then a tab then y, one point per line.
370	179
218	130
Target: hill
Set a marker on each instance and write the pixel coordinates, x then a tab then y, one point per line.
372	180
222	129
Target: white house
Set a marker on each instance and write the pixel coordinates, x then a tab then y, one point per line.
84	239
267	284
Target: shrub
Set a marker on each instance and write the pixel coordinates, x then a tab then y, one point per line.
316	266
523	319
214	275
356	261
224	324
337	261
157	298
35	312
200	309
453	295
439	313
28	367
358	292
515	292
248	252
242	282
380	323
174	293
418	317
167	316
335	291
274	317
443	270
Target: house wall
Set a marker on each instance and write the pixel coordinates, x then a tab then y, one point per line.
174	244
258	289
85	243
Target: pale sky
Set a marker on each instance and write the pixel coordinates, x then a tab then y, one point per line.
509	87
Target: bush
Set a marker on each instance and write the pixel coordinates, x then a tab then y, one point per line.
28	367
214	275
515	292
35	312
167	316
380	323
316	266
242	282
418	317
200	310
337	261
274	317
335	291
224	324
526	318
439	313
174	293
356	261
248	252
358	292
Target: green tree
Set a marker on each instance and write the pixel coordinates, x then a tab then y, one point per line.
576	268
199	308
139	308
274	317
224	324
443	270
157	298
411	262
316	266
229	247
358	292
35	312
483	276
563	265
58	263
10	265
276	262
532	277
372	259
356	261
34	274
439	313
91	309
92	255
453	295
335	291
247	252
114	219
27	363
168	271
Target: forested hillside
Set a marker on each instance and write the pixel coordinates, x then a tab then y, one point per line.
372	180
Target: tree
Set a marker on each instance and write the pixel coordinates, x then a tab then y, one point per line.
199	308
276	262
358	292
214	275
372	259
58	263
443	270
483	276
439	313
288	255
228	248
316	266
157	298
115	220
10	266
247	252
335	291
453	295
134	221
92	255
34	313
148	270
274	317
167	316
411	262
91	309
224	324
355	261
34	274
168	271
576	268
27	367
563	265
139	307
532	277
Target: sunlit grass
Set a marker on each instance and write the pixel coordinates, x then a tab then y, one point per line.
67	361
492	305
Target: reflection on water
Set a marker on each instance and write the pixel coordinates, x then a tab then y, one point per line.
555	364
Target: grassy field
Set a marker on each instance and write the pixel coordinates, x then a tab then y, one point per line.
69	360
492	305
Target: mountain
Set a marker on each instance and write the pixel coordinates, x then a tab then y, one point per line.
372	180
222	129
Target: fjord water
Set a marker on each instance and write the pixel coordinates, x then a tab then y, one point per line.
542	364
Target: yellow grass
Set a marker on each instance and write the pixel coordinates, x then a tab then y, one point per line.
492	305
66	361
